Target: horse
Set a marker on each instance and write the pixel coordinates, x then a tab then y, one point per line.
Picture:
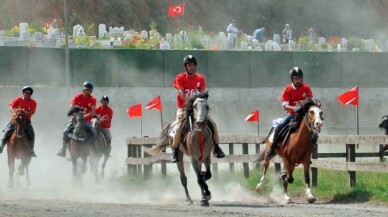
78	145
98	151
197	145
296	149
18	147
384	126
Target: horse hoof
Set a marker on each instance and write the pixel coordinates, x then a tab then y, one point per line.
10	185
259	187
311	199
288	201
208	197
189	202
205	203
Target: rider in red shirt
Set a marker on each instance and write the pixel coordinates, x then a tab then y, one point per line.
29	105
105	114
188	84
87	102
292	94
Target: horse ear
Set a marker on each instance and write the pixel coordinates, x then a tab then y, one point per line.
318	103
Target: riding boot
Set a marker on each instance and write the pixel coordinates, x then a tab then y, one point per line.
175	155
7	135
32	152
62	151
272	149
217	151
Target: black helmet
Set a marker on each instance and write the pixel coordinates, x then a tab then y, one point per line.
297	72
88	85
189	59
105	98
28	88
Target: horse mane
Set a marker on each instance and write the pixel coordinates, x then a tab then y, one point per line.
306	104
73	110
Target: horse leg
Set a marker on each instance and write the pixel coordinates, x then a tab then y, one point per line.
286	177
183	177
260	185
103	166
11	165
207	176
28	177
21	169
75	167
201	181
310	197
84	164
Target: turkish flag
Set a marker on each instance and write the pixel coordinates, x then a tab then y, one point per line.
176	10
253	116
134	111
349	97
155	104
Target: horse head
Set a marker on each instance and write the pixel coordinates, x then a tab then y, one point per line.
384	124
314	118
78	119
200	109
18	118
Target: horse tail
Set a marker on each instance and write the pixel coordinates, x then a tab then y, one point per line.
258	157
162	143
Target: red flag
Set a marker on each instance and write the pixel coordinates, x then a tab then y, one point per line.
253	116
155	104
134	111
176	10
349	97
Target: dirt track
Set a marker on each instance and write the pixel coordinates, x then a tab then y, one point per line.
67	208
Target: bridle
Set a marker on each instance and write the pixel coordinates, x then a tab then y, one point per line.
317	119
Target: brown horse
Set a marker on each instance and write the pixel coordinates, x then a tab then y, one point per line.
18	147
197	145
296	149
78	145
98	151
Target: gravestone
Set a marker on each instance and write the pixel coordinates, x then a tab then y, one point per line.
23	31
101	30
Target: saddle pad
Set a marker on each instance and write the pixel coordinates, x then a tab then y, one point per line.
276	122
71	136
173	131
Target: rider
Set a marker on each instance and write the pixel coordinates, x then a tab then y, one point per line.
29	105
292	94
105	113
87	102
188	84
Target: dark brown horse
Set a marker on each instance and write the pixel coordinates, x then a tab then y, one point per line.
98	151
384	126
18	147
197	145
296	150
79	144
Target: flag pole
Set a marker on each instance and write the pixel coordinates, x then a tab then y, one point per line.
141	126
357	122
161	119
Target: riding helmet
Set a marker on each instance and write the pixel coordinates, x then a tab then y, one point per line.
28	88
297	72
189	59
105	98
88	85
